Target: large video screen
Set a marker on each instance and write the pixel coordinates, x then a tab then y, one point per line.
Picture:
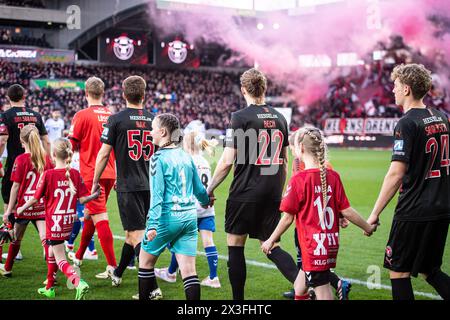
176	52
124	48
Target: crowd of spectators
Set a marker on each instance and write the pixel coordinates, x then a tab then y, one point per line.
366	90
211	96
8	37
23	3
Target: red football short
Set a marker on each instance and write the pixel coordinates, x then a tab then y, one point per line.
99	205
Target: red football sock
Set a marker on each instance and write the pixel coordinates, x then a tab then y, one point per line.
67	269
14	248
106	240
52	268
303	297
86	236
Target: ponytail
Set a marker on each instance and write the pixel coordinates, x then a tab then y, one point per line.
194	142
30	136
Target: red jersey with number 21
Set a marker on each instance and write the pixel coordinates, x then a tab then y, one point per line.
60	203
27	176
319	242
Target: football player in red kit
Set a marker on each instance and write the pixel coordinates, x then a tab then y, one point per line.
25	175
61	188
316	198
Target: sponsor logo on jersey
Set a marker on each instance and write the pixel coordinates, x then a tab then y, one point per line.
398	145
105	132
388	251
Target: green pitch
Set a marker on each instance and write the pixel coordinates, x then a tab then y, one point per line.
362	172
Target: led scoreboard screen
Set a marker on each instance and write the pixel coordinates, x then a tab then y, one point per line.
176	52
124	48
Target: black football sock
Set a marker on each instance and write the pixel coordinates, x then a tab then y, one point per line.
334	280
192	288
440	281
402	289
147	283
126	257
237	271
137	250
284	263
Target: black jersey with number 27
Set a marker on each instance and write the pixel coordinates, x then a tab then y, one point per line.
421	140
129	133
259	134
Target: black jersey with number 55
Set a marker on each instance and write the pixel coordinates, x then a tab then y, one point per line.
128	132
421	140
259	134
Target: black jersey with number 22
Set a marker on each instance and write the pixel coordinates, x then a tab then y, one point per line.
259	134
421	140
129	133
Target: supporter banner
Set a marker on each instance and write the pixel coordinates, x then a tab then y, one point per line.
57	84
360	126
34	54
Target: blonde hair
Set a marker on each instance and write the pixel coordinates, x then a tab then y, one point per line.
29	135
314	143
95	87
193	143
62	149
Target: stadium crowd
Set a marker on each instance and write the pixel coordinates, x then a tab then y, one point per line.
211	96
23	3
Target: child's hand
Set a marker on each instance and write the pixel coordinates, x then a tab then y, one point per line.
151	234
371	230
267	246
20	210
5	217
343	222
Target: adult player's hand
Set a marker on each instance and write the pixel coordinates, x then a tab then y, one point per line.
343	222
267	246
373	228
96	188
151	234
374	221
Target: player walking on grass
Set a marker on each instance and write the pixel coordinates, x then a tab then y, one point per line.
61	187
316	198
25	175
128	134
420	168
257	145
173	216
85	135
195	143
341	286
11	122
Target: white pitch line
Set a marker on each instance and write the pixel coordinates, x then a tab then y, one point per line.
272	266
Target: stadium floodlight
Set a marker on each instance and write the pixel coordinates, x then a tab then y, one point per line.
260	26
276	26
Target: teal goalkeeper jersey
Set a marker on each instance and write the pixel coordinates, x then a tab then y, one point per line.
174	185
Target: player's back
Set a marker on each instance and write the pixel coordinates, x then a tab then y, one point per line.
422	141
12	121
177	171
129	133
259	134
86	130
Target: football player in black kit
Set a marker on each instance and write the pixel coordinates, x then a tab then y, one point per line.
420	168
127	133
257	145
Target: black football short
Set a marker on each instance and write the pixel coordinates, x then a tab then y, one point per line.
6	187
54	242
316	279
133	209
257	219
416	247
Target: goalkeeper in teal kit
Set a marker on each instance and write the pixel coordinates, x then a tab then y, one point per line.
172	218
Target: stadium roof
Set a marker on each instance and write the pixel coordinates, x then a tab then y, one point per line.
254	5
